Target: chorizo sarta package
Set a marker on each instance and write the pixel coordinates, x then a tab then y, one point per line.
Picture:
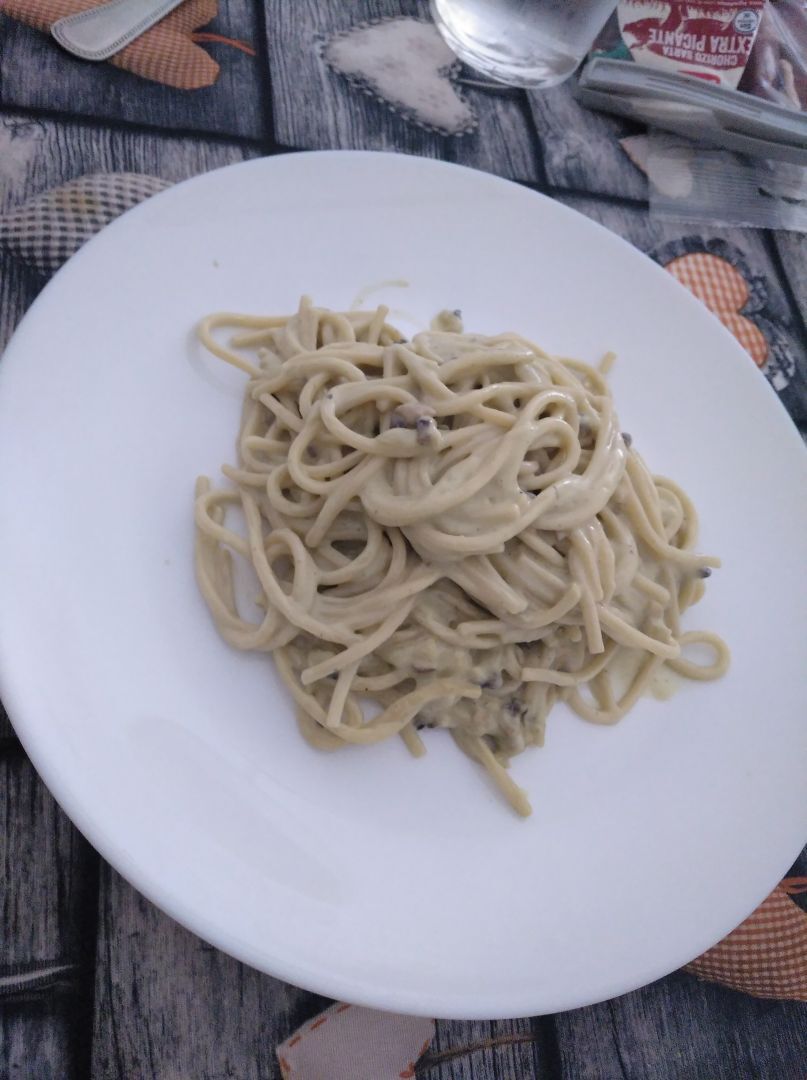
710	41
727	73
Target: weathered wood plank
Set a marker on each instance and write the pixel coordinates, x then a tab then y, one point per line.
18	288
792	249
47	874
36	155
170	1006
47	871
581	150
487	1050
45	864
225	1019
345	118
39	1040
683	1029
41	851
7	735
36	73
769	305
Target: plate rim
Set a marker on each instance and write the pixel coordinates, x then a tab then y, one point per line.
67	795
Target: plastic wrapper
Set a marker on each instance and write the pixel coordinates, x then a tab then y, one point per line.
758	46
729	80
696	183
777	67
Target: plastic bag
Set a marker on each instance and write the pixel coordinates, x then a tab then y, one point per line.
735	156
695	183
777	67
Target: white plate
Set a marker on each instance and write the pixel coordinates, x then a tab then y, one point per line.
367	875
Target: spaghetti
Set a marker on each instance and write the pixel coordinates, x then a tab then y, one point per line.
453	527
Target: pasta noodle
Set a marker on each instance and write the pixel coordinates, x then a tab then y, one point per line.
452	527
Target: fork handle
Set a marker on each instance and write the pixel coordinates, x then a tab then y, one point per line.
103	31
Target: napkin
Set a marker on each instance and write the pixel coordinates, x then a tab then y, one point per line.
767	954
168	53
347	1042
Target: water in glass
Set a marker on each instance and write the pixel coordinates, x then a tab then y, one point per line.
531	43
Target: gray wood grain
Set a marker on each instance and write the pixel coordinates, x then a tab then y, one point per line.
36	155
345	118
488	1050
684	1029
43	858
770	306
18	287
225	1019
169	1006
47	873
792	249
38	1040
46	870
580	147
37	73
7	735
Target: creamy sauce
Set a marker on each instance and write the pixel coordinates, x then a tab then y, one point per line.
454	528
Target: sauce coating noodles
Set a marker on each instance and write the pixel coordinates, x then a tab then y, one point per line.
454	527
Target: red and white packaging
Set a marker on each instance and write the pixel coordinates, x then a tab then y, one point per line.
708	40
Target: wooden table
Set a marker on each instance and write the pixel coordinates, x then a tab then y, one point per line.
115	988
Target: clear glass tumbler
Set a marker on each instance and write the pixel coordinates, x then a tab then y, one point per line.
532	43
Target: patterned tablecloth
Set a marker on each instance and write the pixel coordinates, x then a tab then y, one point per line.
95	981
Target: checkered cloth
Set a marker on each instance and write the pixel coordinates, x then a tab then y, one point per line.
45	231
167	53
725	291
767	954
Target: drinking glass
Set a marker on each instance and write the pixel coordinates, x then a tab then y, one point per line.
531	43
